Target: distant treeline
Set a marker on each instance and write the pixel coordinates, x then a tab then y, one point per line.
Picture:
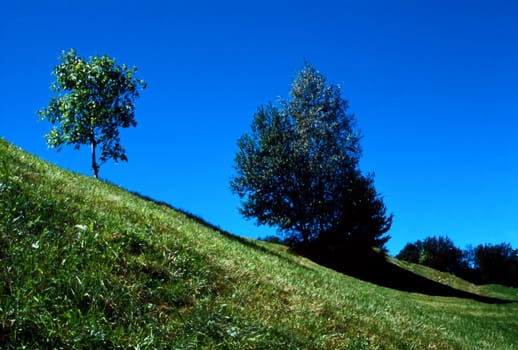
483	264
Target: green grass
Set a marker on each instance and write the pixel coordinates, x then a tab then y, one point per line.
85	264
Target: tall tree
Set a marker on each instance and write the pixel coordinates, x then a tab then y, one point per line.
92	100
297	167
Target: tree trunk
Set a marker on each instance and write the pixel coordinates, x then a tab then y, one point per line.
95	167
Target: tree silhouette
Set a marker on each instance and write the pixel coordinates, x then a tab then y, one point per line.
497	263
298	169
437	252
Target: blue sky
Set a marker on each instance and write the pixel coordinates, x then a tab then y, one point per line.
433	85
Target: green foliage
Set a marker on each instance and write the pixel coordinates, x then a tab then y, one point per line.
440	253
410	252
298	168
363	220
437	252
497	263
483	264
86	265
92	100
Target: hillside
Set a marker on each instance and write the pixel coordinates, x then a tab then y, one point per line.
85	264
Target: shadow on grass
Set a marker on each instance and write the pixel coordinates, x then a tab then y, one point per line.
370	266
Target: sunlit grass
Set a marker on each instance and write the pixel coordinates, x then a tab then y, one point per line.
85	264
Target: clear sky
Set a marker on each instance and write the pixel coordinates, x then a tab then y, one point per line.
433	85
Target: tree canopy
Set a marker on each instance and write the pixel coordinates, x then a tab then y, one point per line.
298	168
496	263
484	263
92	99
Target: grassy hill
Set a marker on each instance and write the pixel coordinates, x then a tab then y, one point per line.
85	264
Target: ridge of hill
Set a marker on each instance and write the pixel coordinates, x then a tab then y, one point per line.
86	264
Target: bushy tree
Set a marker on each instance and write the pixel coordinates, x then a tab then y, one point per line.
411	252
497	263
298	168
437	252
441	254
92	100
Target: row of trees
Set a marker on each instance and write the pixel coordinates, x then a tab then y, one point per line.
482	264
297	170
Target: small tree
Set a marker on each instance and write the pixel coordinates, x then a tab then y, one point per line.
298	168
92	100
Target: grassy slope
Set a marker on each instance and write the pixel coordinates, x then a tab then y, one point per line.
86	264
